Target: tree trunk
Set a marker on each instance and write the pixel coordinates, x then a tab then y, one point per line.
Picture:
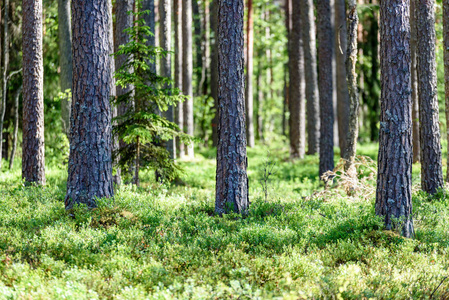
90	165
260	98
33	147
5	65
351	60
249	76
296	86
325	83
187	70
342	84
311	76
65	60
286	102
116	178
16	126
204	83
150	21
431	166
446	68
179	114
165	35
197	31
232	179
415	98
214	68
394	178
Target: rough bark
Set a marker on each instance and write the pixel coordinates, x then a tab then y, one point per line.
5	65
325	83
65	60
165	36
232	179
351	60
90	165
311	76
342	85
33	147
187	70
16	126
446	68
214	69
394	179
179	112
296	86
249	105
431	165
415	98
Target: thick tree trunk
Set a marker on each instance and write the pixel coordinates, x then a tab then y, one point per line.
232	179
165	35
16	126
65	60
394	179
187	70
311	76
415	98
249	76
296	86
431	165
342	85
214	69
5	66
446	69
90	165
325	83
33	147
351	60
179	112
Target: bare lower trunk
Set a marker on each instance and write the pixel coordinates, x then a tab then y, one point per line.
16	126
446	68
179	112
415	99
5	63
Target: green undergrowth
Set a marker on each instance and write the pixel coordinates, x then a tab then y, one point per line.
165	241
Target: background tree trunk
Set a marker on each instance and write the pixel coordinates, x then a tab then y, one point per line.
165	35
296	86
90	165
446	68
33	147
394	178
5	65
249	76
65	60
351	60
325	83
431	165
311	76
16	126
205	41
179	112
187	70
197	31
232	179
415	98
150	21
214	68
342	84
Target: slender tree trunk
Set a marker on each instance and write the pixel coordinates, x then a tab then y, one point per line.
296	99
446	69
260	98
5	66
116	178
150	21
232	179
214	68
187	70
325	83
286	104
33	147
249	76
342	84
311	76
394	178
179	112
197	31
431	165
90	163
65	60
165	35
204	83
415	98
351	60
16	126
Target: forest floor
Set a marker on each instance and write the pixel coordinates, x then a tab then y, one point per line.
298	241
